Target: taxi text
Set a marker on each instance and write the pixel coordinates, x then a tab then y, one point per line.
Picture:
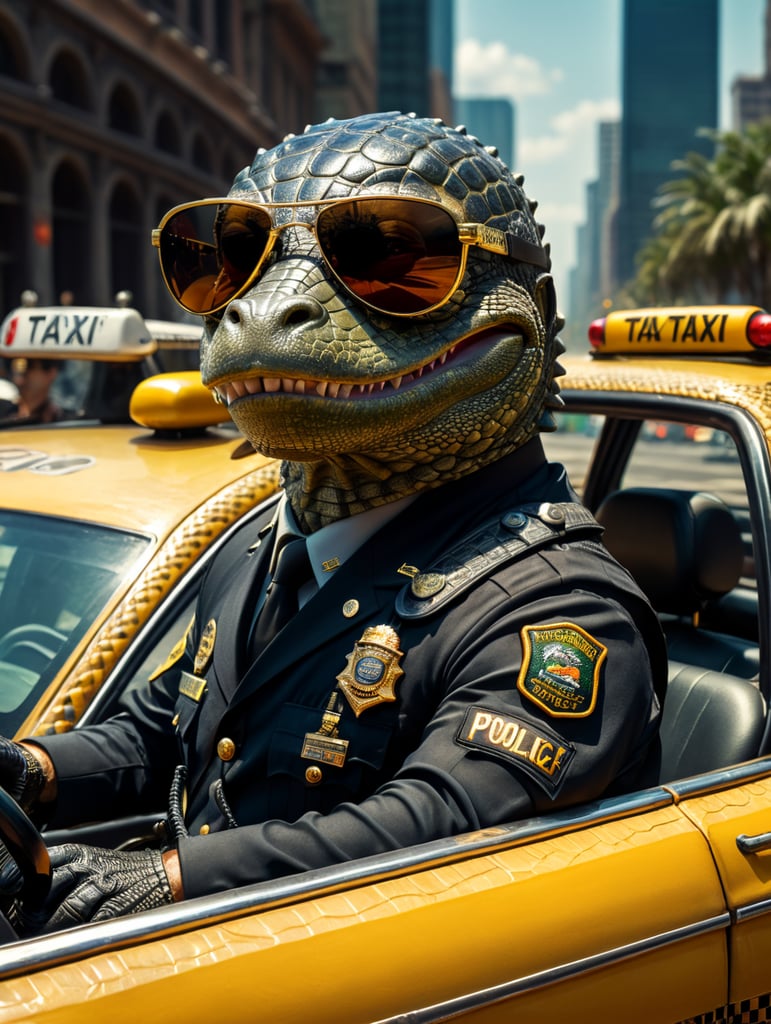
58	329
686	327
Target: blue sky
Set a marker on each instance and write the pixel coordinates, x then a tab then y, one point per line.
559	61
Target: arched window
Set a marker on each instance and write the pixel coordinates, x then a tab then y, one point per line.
123	110
167	134
14	242
13	60
202	154
128	245
68	80
71	236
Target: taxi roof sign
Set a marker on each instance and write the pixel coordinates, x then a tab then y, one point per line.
705	331
76	332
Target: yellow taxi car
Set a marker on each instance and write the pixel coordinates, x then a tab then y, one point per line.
104	517
650	907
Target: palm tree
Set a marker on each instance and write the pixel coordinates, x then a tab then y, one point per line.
712	238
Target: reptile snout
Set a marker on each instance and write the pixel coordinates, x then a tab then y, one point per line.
278	314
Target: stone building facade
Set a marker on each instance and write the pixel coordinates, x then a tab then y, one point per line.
112	111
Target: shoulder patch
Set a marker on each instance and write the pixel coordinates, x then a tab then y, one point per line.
561	669
174	654
538	751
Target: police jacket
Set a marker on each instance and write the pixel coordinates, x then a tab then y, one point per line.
481	658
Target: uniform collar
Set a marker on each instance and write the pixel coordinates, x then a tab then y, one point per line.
332	545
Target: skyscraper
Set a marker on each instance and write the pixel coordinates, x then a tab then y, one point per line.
415	57
492	121
669	92
751	94
589	279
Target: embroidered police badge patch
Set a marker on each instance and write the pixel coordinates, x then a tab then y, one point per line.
561	669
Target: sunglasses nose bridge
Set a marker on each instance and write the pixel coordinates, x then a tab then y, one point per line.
278	230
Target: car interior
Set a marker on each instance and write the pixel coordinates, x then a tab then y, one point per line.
674	504
685	549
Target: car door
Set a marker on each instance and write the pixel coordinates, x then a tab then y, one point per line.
609	912
736	820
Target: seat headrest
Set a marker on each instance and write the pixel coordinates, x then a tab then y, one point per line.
684	548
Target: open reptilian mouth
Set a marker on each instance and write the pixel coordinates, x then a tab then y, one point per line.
231	391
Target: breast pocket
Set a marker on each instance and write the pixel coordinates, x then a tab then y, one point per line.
301	783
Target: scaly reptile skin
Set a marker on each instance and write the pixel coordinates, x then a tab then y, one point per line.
349	453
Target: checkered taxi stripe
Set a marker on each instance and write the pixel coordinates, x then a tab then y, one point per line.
748	1011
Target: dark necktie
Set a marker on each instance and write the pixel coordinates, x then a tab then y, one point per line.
293	568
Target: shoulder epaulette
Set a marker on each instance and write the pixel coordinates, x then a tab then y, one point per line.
495	543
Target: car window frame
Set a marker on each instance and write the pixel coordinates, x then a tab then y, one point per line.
752	448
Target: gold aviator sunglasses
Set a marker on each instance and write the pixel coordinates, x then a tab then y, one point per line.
399	255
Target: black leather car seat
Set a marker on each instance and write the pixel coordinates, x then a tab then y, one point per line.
711	720
685	549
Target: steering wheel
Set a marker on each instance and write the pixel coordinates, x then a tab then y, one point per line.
33	644
28	849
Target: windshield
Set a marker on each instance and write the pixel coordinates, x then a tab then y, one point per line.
55	577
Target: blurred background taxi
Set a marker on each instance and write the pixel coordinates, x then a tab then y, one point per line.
113	495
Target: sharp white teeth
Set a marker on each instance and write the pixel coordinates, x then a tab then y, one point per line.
228	393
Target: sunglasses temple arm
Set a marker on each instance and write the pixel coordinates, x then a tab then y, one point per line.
505	243
528	252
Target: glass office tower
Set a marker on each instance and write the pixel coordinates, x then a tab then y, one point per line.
669	91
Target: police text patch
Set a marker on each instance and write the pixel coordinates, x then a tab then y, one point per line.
561	669
539	752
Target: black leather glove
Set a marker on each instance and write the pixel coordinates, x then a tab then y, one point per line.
21	774
91	884
10	875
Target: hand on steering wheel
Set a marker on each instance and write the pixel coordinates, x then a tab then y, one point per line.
25	867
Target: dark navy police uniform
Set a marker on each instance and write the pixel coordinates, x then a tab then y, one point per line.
481	658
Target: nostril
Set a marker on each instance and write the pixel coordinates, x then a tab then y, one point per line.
232	315
295	317
299	310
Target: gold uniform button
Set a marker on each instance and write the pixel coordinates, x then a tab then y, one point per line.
313	774
226	749
204	830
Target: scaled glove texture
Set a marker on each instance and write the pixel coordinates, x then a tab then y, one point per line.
21	774
92	884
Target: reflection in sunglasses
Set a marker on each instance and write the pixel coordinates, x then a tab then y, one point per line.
399	255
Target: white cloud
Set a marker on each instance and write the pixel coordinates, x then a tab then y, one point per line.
493	70
560	213
572	131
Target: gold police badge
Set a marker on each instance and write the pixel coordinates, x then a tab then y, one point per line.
373	670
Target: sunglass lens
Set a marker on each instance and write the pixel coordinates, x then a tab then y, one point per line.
398	255
208	252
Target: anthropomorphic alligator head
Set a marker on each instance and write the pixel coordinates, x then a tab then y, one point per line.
320	356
